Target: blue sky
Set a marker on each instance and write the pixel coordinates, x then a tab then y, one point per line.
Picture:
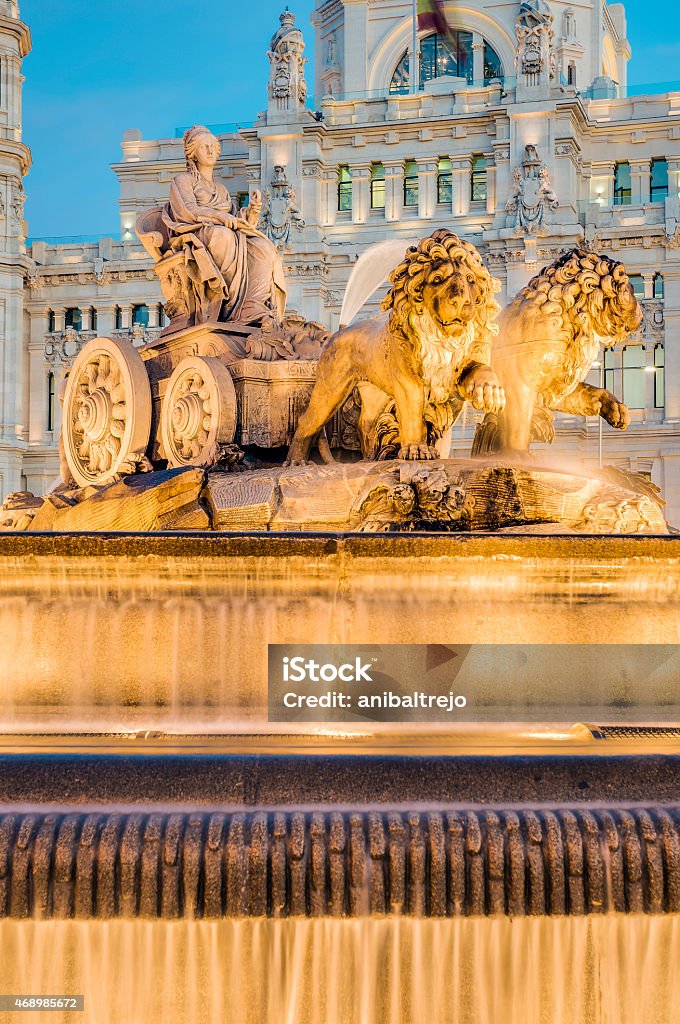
101	66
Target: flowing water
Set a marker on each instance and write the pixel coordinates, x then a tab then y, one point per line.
593	970
160	633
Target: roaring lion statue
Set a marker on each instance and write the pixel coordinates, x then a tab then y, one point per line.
550	335
430	356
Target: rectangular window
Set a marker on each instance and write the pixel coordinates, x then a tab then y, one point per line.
659	181
140	315
51	321
444	181
634	376
622	192
119	318
638	283
478	191
50	401
93	319
74	319
659	377
377	187
410	183
344	188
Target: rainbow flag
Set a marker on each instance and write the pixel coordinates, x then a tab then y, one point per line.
431	18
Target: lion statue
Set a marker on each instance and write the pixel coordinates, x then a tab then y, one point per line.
431	353
550	335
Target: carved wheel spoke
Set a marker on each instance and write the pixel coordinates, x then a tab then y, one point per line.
107	410
199	412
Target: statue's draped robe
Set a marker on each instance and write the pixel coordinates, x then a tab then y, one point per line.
236	275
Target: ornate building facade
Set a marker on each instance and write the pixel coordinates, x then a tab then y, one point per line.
518	131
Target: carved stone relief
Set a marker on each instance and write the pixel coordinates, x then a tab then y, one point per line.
280	213
532	193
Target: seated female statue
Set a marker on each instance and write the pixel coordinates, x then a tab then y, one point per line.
234	270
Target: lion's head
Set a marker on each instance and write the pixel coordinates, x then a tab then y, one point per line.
443	280
591	292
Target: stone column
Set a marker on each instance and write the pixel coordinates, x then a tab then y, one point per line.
394	190
461	170
477	59
329	194
86	322
640	179
361	192
427	188
671	280
649	285
125	317
153	314
490	184
37	376
501	159
106	320
59	319
674	176
356	45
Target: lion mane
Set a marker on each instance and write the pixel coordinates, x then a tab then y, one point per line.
406	304
587	292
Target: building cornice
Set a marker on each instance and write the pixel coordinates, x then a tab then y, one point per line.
21	31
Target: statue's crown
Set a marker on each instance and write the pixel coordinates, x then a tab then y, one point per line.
287	19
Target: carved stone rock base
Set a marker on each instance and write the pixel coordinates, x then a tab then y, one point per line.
455	496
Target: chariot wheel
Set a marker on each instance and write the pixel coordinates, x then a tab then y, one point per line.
107	410
198	413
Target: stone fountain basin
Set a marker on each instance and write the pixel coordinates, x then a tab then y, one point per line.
114	633
90	837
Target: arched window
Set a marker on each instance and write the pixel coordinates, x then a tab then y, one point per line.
377	186
622	190
658	182
344	188
478	179
658	286
443	56
444	181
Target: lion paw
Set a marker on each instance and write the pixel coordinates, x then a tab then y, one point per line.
418	452
483	390
614	412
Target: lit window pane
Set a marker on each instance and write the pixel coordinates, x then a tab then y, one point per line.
377	187
478	179
634	376
410	183
622	188
659	181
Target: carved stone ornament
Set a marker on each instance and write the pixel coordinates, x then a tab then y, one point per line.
535	36
107	411
62	347
532	193
18	200
280	214
287	85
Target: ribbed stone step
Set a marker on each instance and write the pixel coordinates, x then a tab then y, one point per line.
445	862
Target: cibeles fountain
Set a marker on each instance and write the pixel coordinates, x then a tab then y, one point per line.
173	850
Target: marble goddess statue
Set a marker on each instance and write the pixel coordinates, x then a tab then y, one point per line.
232	270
